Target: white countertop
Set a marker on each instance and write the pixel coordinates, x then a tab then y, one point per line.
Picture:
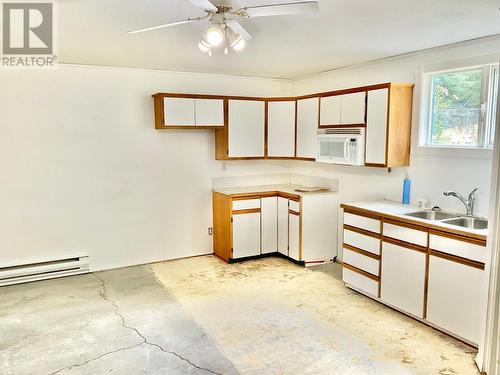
284	188
399	209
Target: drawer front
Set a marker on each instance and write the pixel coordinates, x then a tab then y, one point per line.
362	222
405	234
362	241
246	204
457	247
295	206
361	261
361	282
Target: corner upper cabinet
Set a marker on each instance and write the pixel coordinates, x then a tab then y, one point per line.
246	128
281	129
307	127
388	125
178	111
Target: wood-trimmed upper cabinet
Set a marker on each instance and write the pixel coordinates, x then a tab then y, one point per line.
281	128
188	112
343	110
246	127
388	126
307	128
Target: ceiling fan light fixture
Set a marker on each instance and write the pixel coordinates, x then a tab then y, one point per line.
239	45
203	47
214	36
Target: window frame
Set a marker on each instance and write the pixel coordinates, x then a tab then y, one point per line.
422	131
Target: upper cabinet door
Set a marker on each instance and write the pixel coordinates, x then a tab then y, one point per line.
352	108
307	127
209	112
179	111
281	129
376	127
246	128
330	110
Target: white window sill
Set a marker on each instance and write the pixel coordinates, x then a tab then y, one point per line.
460	152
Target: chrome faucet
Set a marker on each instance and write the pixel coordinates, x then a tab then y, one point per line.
468	203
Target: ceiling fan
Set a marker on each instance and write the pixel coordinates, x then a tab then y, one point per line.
224	31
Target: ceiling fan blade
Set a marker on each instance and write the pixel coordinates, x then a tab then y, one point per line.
238	29
164	25
299	7
204	4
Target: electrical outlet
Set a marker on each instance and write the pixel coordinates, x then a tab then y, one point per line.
210	231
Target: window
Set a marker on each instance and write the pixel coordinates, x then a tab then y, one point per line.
461	107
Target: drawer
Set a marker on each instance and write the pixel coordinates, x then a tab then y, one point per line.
361	261
360	282
362	241
372	225
246	204
405	234
459	248
294	206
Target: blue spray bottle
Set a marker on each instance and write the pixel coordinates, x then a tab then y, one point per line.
406	190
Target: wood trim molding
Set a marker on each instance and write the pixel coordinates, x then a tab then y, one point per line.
362	231
292	212
405	224
337	126
361	251
363	214
436	229
457	237
246	211
405	245
361	272
457	259
246	197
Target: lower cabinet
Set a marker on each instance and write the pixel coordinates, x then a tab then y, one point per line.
246	235
258	224
269	217
283	225
435	276
456	297
294	236
403	278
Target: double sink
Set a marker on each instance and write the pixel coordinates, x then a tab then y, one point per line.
451	219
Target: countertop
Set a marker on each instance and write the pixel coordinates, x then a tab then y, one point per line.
397	210
282	188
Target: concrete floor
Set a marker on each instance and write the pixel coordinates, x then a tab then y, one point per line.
202	316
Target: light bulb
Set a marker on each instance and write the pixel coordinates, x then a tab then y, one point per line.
225	51
214	36
203	47
240	45
209	52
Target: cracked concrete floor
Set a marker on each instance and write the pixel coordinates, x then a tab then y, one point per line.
121	321
202	316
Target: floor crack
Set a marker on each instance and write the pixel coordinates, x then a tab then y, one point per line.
104	294
95	358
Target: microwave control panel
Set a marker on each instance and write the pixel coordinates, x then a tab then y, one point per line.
352	150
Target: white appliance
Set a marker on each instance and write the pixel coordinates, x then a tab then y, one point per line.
341	146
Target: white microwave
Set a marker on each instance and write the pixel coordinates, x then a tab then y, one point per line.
341	146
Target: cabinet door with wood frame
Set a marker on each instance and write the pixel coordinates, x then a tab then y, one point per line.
307	127
269	217
403	277
283	225
246	235
281	129
294	235
246	122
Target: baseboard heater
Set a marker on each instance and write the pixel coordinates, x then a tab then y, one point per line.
24	273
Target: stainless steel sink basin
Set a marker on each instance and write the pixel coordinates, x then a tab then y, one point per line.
432	215
468	222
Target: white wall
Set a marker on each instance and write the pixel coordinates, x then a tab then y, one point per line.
431	175
83	171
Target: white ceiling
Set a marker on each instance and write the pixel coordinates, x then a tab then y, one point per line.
344	32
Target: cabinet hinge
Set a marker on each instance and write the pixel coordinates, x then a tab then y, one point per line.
231	250
231	220
227	152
